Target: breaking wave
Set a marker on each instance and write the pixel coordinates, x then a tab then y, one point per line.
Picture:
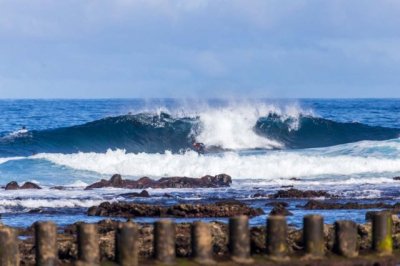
220	129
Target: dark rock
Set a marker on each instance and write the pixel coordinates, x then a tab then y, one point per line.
12	186
294	179
59	188
288	186
396	178
207	181
143	194
259	195
116	181
27	185
323	205
295	193
30	185
128	209
280	210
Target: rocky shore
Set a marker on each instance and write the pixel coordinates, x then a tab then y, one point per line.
67	247
130	210
207	181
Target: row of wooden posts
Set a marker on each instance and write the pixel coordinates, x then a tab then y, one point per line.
126	251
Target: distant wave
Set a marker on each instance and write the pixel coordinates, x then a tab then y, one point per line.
241	128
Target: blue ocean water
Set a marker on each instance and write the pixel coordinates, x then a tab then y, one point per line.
348	147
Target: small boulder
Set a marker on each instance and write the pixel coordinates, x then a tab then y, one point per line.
30	185
12	186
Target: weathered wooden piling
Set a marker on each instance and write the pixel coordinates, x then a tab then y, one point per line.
239	239
276	237
382	241
202	243
126	245
313	235
46	244
9	253
88	244
164	241
346	238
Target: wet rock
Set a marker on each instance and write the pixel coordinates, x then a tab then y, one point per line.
12	186
323	205
280	210
143	194
30	185
207	181
295	193
396	178
129	209
27	185
259	195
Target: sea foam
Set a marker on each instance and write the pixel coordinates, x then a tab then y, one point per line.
267	166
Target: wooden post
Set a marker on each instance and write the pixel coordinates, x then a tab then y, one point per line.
164	241
313	235
126	245
9	253
88	244
276	237
202	243
46	244
346	238
239	239
382	241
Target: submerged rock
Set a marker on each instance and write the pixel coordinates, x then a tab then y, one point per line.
143	194
128	209
295	193
207	181
27	185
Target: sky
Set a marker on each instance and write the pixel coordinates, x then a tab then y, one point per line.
199	48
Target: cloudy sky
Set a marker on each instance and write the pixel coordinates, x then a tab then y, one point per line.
199	48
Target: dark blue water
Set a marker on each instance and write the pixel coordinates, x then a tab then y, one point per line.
348	147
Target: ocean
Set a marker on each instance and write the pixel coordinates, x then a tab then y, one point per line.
348	147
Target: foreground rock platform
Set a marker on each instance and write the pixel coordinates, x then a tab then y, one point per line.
67	248
130	210
207	181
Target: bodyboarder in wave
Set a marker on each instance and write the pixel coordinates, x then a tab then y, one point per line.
199	147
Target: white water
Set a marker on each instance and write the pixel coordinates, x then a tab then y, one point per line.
266	166
231	127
